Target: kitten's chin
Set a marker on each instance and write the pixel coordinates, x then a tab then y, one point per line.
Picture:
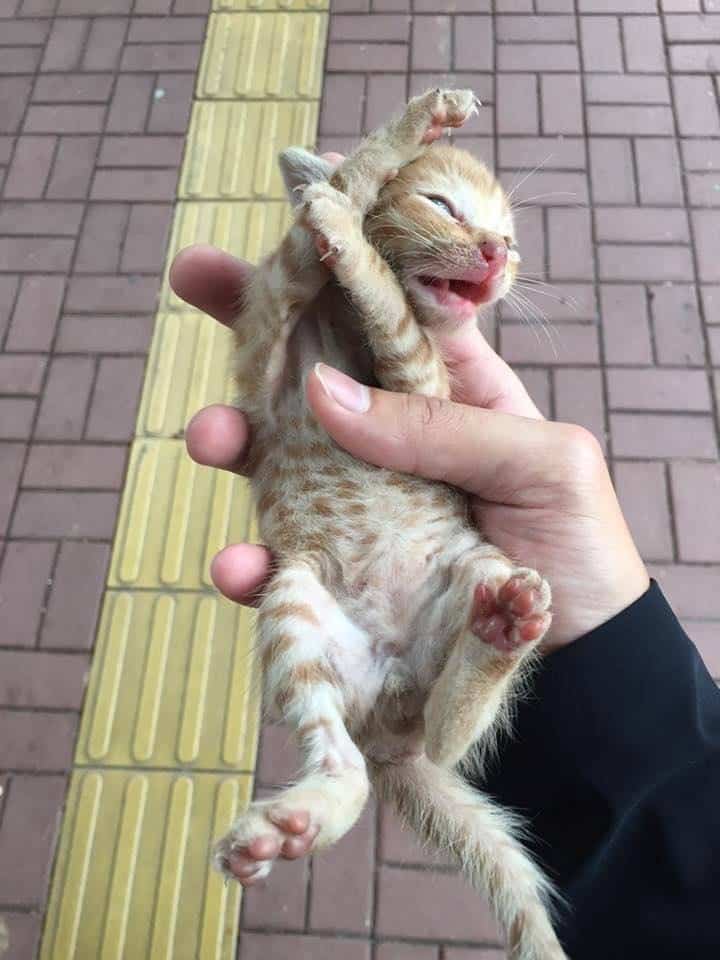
445	301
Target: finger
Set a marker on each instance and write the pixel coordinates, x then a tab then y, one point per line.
218	436
481	377
210	279
241	571
495	455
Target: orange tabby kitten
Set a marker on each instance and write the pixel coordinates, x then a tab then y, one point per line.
391	632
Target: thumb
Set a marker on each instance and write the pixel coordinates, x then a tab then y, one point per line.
496	456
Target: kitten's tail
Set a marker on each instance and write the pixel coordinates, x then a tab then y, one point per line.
452	817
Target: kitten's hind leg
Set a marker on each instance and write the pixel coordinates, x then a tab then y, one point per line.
297	621
502	614
379	157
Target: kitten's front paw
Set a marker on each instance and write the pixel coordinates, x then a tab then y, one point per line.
332	219
443	109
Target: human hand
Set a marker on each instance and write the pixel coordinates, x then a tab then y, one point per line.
539	490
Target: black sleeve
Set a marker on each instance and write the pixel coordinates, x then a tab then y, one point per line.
615	763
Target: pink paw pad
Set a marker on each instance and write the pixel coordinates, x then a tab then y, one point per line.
438	126
509	617
250	862
245	862
442	120
301	832
433	132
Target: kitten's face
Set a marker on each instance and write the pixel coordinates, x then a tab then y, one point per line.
445	225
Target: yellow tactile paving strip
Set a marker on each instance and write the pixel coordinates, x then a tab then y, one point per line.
248	229
232	148
188	367
172	682
174	517
270	5
168	737
131	877
279	57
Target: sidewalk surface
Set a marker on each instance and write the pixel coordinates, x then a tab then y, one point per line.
102	173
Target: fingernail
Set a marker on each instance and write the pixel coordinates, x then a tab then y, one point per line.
342	389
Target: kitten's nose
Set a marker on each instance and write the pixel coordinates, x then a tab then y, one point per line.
495	254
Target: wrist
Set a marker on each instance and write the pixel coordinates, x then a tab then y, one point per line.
582	608
598	569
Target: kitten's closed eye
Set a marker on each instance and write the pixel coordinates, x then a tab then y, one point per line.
442	203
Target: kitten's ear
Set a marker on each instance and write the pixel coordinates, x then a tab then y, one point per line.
299	168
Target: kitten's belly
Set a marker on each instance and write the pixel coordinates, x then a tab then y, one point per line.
327	331
380	541
383	541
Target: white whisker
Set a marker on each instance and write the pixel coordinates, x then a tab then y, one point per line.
539	281
520	309
557	297
516	187
528	201
540	317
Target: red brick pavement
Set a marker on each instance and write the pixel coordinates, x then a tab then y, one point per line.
621	97
94	106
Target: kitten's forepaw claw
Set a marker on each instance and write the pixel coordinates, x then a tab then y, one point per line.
329	215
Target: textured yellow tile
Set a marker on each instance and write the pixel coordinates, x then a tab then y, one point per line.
189	367
232	147
247	230
267	5
174	683
257	56
132	877
174	517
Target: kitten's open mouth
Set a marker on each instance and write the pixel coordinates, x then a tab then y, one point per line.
464	289
460	296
